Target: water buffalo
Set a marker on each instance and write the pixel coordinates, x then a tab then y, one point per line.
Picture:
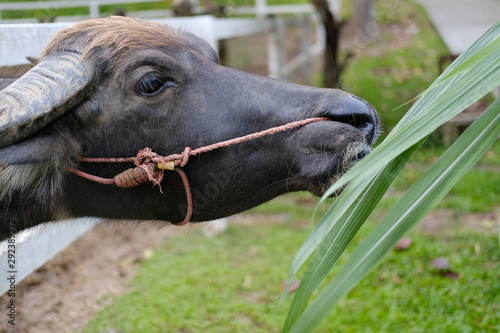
110	87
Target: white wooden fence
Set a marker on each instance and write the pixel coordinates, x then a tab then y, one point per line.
17	41
37	245
278	64
261	8
31	248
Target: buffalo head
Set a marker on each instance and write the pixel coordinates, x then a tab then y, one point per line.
110	87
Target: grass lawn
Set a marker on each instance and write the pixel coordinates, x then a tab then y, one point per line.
231	283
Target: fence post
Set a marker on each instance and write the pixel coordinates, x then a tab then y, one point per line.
261	8
306	46
276	52
94	9
320	31
335	7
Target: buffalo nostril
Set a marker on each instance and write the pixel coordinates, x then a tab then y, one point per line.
358	113
362	154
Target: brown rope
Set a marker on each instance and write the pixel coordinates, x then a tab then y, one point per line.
149	166
93	178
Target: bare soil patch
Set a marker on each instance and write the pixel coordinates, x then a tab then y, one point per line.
442	220
62	295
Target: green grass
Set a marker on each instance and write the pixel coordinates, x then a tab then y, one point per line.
231	283
477	191
109	9
406	294
193	284
433	150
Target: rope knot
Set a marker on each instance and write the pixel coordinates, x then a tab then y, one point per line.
154	165
171	161
185	157
145	160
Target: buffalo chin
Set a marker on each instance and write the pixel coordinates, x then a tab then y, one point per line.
354	153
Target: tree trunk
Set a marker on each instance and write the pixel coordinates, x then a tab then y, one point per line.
332	68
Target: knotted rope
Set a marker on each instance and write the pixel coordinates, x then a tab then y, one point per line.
149	166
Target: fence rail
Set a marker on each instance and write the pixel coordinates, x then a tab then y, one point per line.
31	248
261	8
93	5
279	66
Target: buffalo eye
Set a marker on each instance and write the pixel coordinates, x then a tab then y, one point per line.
153	83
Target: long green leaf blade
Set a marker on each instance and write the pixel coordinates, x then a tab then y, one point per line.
360	176
342	233
328	221
415	204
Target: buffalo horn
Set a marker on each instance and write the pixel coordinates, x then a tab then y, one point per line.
51	88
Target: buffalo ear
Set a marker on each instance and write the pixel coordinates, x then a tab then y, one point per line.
42	150
33	60
32	174
10	74
33	171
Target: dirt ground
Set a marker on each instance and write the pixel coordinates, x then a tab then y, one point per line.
62	295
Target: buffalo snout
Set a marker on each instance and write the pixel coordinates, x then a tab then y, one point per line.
322	152
355	111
